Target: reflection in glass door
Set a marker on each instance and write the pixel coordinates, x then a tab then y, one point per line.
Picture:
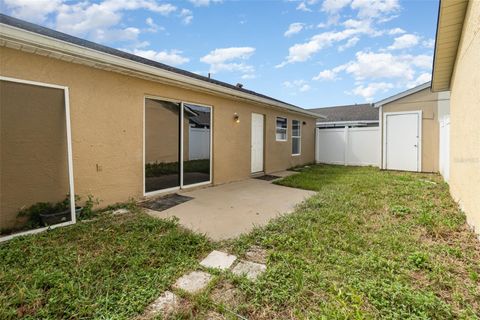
177	147
162	145
196	144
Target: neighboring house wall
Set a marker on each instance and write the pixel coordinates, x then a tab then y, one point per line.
425	101
33	161
465	119
107	126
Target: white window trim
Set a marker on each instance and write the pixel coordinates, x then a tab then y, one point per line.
286	129
299	138
73	216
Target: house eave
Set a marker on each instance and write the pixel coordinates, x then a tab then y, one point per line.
451	14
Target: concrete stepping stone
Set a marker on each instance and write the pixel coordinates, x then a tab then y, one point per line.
166	304
251	270
120	211
218	260
256	254
193	282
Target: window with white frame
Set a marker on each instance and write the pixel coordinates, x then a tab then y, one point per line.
281	129
296	137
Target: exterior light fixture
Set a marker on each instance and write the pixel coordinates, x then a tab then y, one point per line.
236	118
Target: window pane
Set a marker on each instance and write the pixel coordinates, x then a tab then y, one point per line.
281	123
295	128
196	144
295	145
162	151
281	129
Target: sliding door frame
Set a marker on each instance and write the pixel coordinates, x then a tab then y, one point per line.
181	145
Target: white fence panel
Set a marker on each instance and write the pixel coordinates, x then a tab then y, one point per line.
444	161
199	143
349	146
363	148
330	146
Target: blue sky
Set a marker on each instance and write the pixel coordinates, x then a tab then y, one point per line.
311	53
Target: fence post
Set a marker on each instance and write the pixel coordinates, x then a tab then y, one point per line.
345	157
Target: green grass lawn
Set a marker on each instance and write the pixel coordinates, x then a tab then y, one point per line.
108	269
370	245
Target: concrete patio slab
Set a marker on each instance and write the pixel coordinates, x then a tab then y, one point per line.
228	210
218	260
193	282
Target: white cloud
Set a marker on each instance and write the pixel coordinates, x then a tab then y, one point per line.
395	31
429	43
333	6
368	92
294	28
172	57
326	75
153	27
370	65
32	10
297	85
404	42
350	43
375	8
301	52
374	66
303	7
230	59
203	3
186	15
92	19
421	79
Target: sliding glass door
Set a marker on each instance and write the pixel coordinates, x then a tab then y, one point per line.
162	145
177	145
196	144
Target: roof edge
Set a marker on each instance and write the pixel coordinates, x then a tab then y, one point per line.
402	94
442	6
42	42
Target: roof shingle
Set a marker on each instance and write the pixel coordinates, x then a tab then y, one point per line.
356	112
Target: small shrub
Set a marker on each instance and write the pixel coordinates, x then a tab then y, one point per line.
399	210
419	260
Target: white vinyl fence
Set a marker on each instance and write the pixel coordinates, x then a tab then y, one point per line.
348	146
199	143
444	161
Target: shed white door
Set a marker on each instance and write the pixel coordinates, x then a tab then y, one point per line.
402	141
257	142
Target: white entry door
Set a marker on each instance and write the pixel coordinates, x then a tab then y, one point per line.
257	142
402	141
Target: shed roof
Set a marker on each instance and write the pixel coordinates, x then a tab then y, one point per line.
402	94
9	34
355	112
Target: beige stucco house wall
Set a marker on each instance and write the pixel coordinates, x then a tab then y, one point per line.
107	126
460	72
427	102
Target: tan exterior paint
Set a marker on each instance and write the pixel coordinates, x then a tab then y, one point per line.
107	126
33	157
425	101
465	119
